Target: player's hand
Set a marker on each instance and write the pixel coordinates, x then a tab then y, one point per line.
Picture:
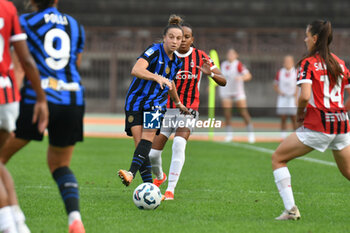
163	82
41	115
183	109
205	68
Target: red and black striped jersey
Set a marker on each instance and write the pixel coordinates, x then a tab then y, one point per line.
188	78
10	31
325	111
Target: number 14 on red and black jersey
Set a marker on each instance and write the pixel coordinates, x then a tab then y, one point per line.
325	112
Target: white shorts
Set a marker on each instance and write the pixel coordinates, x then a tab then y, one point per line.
321	141
8	116
286	105
231	96
173	119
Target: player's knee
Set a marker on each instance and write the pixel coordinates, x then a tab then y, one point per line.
346	173
275	159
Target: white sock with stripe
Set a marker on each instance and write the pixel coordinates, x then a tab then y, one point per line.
177	162
283	183
155	157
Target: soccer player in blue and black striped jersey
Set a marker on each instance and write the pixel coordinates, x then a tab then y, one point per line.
153	73
56	41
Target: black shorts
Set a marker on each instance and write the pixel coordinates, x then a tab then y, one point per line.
133	118
65	124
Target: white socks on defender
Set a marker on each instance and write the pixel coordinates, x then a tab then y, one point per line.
20	219
250	128
72	216
283	183
155	157
177	162
7	221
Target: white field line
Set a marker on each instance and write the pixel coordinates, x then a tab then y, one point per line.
269	151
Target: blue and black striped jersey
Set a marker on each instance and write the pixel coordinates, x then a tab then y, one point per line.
146	94
54	40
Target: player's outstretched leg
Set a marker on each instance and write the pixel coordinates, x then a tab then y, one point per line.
177	162
155	157
140	156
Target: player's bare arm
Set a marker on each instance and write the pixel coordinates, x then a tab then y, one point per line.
175	97
140	70
246	77
41	112
303	100
216	74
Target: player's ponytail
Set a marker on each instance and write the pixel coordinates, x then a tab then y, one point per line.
43	4
323	30
174	21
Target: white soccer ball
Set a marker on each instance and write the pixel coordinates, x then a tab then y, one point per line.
147	196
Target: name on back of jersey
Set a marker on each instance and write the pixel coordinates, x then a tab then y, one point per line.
56	19
323	66
340	116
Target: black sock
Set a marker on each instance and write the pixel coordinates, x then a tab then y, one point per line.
146	171
140	155
68	187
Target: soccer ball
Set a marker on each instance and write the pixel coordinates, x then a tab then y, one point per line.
147	196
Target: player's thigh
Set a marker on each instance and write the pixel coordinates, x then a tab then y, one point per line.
342	158
227	103
241	103
289	149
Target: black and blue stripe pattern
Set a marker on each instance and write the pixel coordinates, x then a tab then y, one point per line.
68	187
146	94
54	40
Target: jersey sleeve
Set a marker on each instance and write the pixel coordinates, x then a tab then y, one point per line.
305	73
346	77
212	64
16	32
81	42
277	78
242	69
150	54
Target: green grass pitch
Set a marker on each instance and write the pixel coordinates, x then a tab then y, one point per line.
223	188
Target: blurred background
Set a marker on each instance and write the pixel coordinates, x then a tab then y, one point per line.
262	32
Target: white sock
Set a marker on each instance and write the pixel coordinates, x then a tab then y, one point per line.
283	183
20	219
250	128
72	216
155	157
7	222
229	129
177	162
283	134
